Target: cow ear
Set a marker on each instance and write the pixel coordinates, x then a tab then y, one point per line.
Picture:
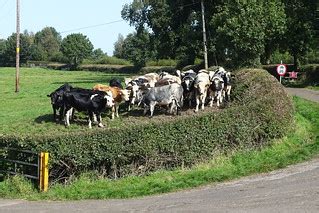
48	95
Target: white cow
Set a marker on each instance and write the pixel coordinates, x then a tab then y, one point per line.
201	86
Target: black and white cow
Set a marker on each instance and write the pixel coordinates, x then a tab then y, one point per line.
226	76
216	89
115	82
168	95
188	80
56	100
91	101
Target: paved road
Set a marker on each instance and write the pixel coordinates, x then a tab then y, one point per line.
294	189
312	95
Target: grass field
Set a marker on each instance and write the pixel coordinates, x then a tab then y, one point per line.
300	145
29	111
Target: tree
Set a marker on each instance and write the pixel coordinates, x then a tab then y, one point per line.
136	48
48	42
75	48
2	49
98	54
9	53
300	27
240	31
118	47
275	26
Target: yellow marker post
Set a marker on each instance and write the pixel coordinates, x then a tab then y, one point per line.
44	171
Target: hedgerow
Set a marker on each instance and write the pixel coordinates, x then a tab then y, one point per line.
260	111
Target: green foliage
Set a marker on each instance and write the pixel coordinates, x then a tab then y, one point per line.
107	60
162	62
260	112
47	44
118	47
9	53
136	48
300	28
275	26
312	74
240	31
76	47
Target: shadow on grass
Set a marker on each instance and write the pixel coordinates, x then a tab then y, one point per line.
47	118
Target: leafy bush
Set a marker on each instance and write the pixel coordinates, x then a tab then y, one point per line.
108	60
311	74
162	62
261	110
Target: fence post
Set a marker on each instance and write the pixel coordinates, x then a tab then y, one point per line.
44	171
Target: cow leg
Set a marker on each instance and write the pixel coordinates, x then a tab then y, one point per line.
113	112
91	115
172	107
152	106
99	119
94	118
117	110
219	98
145	109
197	104
203	101
60	114
67	117
228	93
54	113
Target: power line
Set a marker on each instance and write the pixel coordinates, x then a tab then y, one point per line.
92	26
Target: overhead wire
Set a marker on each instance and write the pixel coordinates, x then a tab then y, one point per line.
120	20
91	26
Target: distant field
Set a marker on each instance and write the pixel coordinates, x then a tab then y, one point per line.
29	111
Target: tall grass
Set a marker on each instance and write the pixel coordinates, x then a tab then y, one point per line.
302	144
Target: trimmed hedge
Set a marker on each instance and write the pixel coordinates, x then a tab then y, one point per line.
261	110
311	74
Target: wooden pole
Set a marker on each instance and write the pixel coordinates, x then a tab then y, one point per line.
18	48
204	35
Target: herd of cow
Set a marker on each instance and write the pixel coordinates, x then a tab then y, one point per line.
147	91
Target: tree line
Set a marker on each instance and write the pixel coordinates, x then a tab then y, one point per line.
239	33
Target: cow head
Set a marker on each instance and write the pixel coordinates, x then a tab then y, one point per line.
56	98
109	99
188	83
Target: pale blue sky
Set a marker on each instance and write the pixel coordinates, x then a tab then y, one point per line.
67	16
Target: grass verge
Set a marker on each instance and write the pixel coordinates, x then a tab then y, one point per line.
298	146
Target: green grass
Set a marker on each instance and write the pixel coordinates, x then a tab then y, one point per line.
313	87
297	146
29	111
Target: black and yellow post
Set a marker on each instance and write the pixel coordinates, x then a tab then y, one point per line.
44	172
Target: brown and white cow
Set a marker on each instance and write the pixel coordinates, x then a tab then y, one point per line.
119	95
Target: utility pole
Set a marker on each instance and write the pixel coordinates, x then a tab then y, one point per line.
18	47
204	35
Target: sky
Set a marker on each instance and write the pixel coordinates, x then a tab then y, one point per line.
92	18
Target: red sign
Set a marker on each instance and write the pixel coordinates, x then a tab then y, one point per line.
281	69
